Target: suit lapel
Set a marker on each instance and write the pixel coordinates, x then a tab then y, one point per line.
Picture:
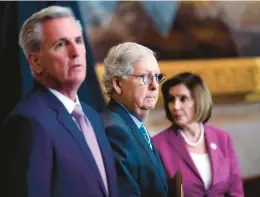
65	119
214	151
97	129
151	154
178	143
116	107
160	171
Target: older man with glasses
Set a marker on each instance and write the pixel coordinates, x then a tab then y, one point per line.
132	77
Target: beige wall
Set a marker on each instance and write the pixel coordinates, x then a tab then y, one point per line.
242	121
230	81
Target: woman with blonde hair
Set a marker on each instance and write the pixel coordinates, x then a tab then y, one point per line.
204	154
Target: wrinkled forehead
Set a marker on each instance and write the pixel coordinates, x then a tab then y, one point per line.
55	29
147	64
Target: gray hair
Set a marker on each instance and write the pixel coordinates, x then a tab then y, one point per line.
119	60
31	33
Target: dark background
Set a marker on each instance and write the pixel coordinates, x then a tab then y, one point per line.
15	75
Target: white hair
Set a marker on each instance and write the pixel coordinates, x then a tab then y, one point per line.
31	32
119	61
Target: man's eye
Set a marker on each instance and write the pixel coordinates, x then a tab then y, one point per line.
60	44
143	76
79	40
160	77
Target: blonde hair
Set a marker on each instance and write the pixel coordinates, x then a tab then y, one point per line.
199	91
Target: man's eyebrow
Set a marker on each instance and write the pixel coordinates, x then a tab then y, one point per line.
60	39
80	36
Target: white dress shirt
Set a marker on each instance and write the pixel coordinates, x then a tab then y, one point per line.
67	102
202	163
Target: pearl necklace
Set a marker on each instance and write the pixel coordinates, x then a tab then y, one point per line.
193	144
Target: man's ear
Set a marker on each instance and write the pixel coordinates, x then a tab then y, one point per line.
116	81
34	62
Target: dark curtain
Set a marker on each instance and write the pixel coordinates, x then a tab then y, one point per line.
16	78
9	58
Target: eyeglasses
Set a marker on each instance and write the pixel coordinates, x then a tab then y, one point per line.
148	78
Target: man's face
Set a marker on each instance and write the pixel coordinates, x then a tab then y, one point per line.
62	57
136	95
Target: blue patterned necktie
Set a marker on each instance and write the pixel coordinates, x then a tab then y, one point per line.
146	135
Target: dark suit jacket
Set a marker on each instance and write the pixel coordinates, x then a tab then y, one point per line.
44	154
226	177
139	169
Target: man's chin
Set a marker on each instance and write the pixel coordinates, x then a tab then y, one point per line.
150	106
78	79
73	83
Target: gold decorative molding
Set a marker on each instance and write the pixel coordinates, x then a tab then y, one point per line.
229	80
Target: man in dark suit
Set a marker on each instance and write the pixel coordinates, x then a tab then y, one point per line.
53	145
132	77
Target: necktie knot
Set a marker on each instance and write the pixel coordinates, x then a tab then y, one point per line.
142	128
77	112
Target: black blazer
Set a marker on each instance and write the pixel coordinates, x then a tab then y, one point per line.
139	169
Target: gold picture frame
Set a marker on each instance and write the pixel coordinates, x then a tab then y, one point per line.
230	80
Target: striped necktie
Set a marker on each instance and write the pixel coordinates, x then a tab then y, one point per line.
146	135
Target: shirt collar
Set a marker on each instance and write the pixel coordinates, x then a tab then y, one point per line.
66	101
134	118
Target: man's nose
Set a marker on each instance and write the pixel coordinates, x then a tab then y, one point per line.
74	50
154	84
